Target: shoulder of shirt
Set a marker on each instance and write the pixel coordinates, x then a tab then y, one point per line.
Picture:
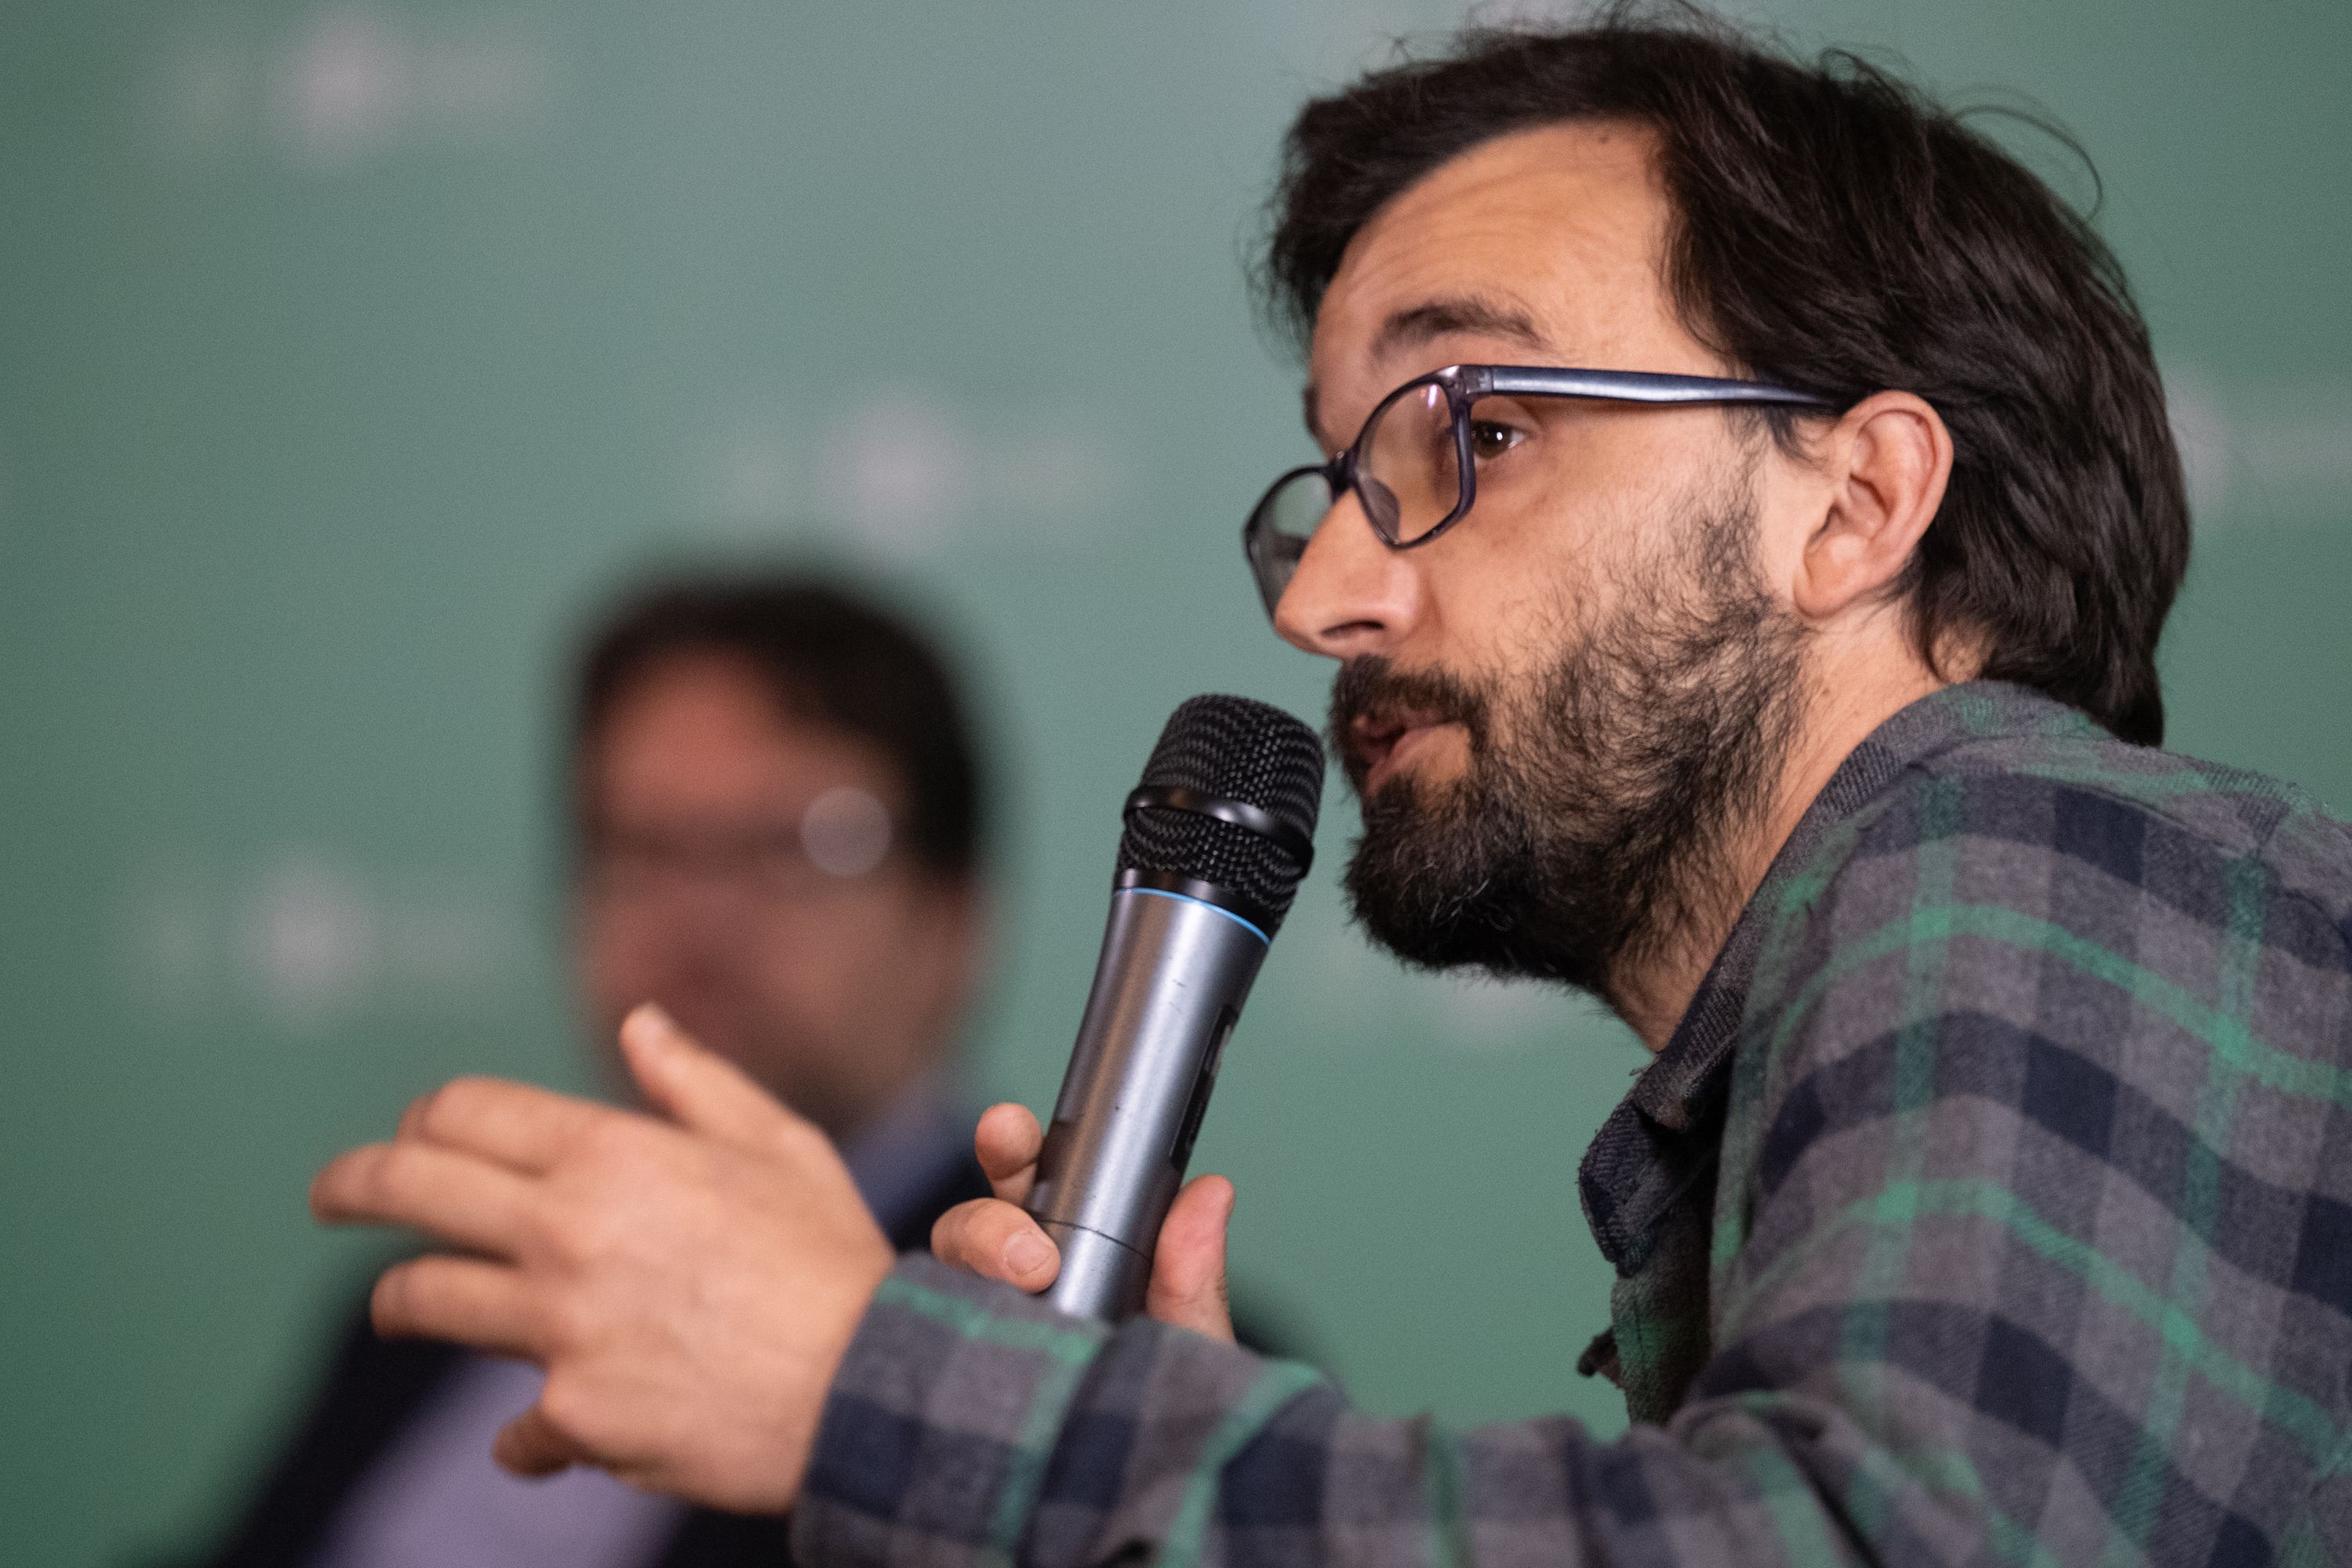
2061	782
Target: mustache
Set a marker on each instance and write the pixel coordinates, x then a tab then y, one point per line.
1371	689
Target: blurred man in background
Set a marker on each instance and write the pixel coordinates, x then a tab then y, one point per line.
776	809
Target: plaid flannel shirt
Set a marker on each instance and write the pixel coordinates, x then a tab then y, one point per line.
1992	1201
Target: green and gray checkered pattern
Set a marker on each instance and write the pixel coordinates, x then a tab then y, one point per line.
1992	1203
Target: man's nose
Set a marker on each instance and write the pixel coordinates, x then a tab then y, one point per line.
1350	594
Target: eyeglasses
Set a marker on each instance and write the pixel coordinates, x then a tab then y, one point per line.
841	836
1415	466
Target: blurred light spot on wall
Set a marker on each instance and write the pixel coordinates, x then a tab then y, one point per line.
310	943
905	474
334	90
901	471
343	88
308	939
2266	454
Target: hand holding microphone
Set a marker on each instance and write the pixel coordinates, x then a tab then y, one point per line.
998	1239
1218	837
712	1253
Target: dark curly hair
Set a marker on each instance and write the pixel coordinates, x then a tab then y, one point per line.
1834	230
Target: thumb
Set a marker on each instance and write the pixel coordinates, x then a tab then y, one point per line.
1188	1267
531	1446
697	1088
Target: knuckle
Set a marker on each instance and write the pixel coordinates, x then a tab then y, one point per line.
608	1164
564	1324
583	1420
578	1236
345	1185
951	1232
617	1145
388	1173
392	1302
566	1407
977	1231
411	1118
437	1113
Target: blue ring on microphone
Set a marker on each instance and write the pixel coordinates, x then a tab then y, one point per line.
1187	899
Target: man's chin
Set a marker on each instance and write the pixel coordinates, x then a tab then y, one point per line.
1434	879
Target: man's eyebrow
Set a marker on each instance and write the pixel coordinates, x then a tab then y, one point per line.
1417	324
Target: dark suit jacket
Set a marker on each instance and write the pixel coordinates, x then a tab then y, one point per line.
375	1386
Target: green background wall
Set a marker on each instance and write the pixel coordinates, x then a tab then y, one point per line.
348	351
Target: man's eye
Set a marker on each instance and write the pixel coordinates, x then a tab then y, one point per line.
1489	440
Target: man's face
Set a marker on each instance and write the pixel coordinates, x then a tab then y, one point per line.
1555	710
698	890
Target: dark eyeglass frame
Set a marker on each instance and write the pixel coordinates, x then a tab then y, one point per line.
1464	385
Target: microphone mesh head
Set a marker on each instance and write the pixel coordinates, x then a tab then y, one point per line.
1242	750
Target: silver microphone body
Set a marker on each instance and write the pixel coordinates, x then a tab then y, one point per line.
1174	973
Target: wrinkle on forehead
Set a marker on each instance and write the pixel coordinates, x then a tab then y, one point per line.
1411	326
1558	228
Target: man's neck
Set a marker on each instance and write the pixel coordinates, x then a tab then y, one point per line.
1653	989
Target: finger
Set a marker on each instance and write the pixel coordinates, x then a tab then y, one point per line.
996	1241
1008	1143
464	1299
519	1126
464	1200
531	1446
697	1089
1188	1266
412	1117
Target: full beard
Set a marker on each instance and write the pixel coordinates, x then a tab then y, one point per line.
1590	829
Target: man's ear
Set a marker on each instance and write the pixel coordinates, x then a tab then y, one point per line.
1887	462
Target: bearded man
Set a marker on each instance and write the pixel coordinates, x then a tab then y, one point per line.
1746	519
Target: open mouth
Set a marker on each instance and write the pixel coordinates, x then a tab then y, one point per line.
1381	742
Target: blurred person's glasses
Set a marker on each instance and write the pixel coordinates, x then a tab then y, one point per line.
1418	463
841	837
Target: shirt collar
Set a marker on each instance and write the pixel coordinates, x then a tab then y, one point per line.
1625	1190
1681	1080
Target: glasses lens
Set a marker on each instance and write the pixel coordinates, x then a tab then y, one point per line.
1278	530
1405	466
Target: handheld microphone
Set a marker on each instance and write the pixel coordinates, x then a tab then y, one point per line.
1218	837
